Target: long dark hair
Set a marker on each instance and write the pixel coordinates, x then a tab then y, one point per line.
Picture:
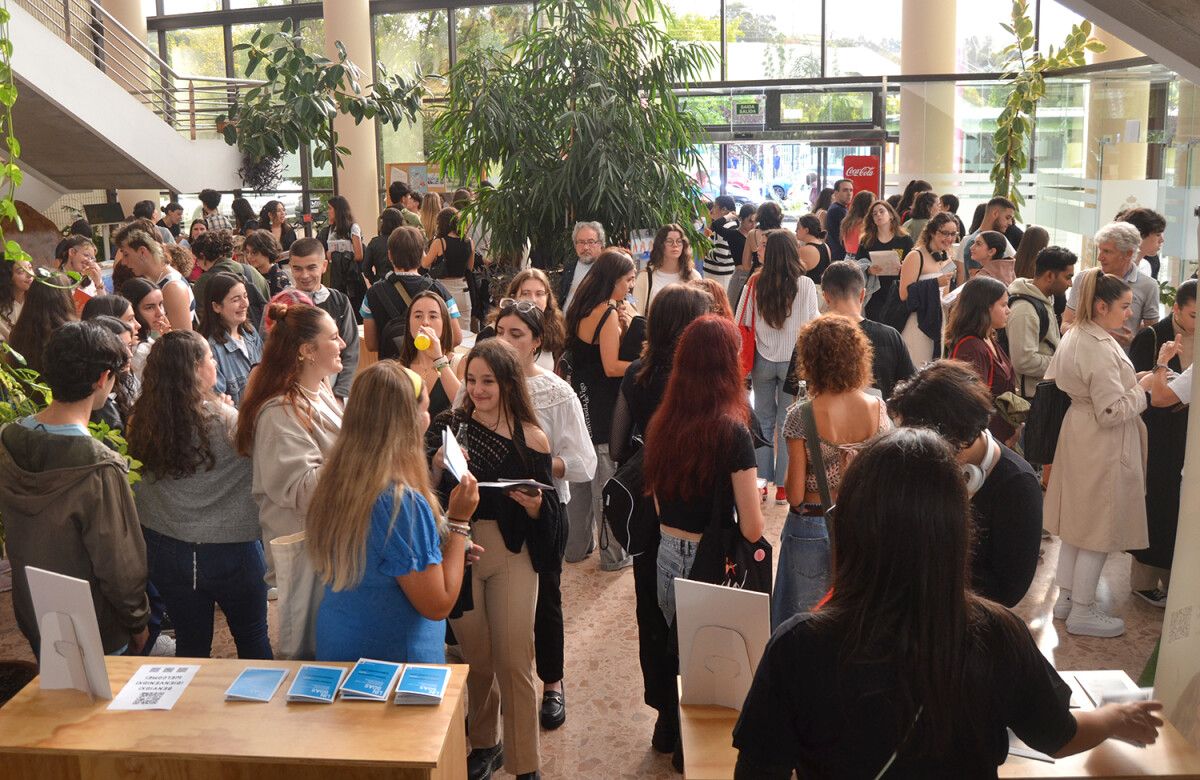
343	219
8	292
779	280
218	288
703	406
911	190
597	286
447	222
173	443
133	291
824	200
892	601
389	220
674	308
935	224
243	213
265	213
126	388
46	308
870	234
408	350
105	306
922	207
769	216
515	405
971	314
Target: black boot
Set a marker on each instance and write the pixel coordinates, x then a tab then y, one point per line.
481	762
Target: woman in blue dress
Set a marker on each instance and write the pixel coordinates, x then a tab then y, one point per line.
391	562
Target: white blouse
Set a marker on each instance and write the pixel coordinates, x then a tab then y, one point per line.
776	344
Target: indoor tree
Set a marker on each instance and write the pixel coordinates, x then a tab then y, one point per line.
1025	73
302	94
577	119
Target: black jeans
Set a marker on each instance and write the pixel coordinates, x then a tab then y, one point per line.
548	627
194	577
660	665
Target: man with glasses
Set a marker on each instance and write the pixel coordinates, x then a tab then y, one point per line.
843	193
589	243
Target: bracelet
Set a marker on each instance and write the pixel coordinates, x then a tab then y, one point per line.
441	363
1163	366
463	532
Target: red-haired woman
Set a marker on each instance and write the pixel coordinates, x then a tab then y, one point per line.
289	417
700	451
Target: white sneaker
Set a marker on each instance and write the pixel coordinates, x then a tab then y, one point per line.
272	594
1062	606
1090	621
164	646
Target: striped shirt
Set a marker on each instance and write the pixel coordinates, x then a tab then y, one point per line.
776	344
720	260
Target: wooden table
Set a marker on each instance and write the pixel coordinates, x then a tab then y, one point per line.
46	735
708	753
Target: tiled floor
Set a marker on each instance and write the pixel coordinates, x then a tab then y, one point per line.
607	733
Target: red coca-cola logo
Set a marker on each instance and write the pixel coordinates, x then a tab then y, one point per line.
864	171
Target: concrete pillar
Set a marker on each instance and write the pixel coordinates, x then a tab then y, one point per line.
129	14
1113	109
349	21
927	137
1187	131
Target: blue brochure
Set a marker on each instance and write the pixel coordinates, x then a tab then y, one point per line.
316	683
370	680
422	684
255	684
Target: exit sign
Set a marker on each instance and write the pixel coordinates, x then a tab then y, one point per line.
746	108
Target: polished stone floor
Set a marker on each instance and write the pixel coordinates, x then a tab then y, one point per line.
607	733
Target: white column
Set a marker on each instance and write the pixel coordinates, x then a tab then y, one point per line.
928	45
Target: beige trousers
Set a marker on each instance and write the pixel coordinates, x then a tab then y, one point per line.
496	637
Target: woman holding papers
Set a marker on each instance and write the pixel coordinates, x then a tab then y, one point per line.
908	672
290	417
194	502
521	528
392	564
882	233
922	278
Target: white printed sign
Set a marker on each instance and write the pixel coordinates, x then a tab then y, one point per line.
154	687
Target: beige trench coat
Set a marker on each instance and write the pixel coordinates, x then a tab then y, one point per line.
1097	494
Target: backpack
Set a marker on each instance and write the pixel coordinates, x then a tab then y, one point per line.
1043	320
395	331
627	511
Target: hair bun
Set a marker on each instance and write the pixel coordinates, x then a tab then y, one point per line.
278	311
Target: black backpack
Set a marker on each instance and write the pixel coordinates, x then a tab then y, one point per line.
395	331
628	512
1043	320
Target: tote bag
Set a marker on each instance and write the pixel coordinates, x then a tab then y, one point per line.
1044	422
724	557
300	594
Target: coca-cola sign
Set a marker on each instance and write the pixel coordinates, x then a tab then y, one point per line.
863	170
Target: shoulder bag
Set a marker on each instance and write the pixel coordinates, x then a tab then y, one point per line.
1044	422
748	348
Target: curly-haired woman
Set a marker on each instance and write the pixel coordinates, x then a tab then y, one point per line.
194	503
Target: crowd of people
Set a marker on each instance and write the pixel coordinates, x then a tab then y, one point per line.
870	370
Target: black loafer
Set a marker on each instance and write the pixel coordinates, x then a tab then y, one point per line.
554	710
481	762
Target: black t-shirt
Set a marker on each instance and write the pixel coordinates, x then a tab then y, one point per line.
1008	530
695	515
890	363
902	245
636	404
376	264
811	710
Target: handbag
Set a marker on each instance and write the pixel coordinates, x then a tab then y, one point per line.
1044	422
749	347
300	595
724	557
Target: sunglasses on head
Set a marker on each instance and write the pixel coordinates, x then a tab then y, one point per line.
524	307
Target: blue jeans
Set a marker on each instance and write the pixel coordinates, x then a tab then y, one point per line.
770	407
194	577
803	576
675	559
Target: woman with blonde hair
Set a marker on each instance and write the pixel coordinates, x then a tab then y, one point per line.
670	261
392	564
431	206
1096	498
533	285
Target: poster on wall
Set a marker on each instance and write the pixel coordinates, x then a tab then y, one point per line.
422	177
863	170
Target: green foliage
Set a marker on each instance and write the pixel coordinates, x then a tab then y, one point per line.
1167	293
10	147
1025	71
577	119
302	95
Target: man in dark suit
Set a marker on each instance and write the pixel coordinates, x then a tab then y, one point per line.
589	243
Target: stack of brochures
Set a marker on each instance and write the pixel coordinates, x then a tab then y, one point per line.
316	684
370	680
255	684
422	684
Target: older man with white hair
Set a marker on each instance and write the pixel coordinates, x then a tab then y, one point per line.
1117	245
588	238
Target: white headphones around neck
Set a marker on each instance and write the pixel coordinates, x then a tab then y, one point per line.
977	475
